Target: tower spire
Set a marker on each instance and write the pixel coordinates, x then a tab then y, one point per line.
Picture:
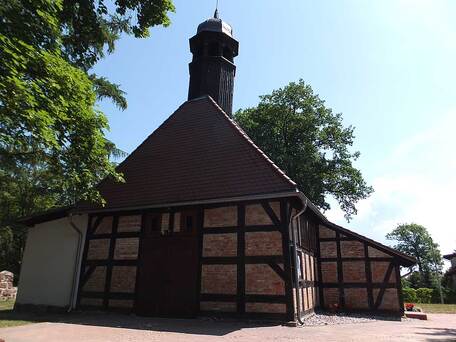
216	13
212	69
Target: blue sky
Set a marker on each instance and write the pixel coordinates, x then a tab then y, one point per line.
387	65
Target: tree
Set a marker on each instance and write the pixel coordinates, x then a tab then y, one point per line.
53	149
415	240
309	142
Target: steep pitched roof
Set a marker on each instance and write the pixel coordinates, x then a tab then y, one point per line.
198	153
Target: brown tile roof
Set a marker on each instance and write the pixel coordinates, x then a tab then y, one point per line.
198	153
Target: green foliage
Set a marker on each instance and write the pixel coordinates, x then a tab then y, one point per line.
309	142
91	27
409	295
52	145
424	295
414	239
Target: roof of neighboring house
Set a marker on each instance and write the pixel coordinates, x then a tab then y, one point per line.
198	153
48	215
450	256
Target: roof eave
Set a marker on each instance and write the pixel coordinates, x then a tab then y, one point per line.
404	259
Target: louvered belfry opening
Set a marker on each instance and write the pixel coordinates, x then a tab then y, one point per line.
212	69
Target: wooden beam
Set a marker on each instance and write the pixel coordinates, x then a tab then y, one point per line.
277	269
367	266
285	221
267	207
112	247
319	271
383	289
87	275
241	260
266	259
234	230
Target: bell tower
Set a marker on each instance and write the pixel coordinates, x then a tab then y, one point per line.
212	69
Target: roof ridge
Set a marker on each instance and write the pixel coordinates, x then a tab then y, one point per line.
244	135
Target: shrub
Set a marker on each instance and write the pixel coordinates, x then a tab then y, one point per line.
409	295
424	295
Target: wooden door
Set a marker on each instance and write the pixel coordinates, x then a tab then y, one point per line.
167	280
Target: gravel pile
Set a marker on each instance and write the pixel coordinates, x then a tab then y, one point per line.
333	319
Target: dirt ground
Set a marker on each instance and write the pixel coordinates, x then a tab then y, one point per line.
113	328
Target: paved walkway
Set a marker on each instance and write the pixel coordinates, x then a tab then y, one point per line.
113	328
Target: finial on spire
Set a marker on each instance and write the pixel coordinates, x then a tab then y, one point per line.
216	14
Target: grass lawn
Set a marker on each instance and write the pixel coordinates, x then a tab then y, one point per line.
8	318
438	308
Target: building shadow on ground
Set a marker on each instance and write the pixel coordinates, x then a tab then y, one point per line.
438	334
197	326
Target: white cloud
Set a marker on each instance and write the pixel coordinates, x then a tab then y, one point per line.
416	184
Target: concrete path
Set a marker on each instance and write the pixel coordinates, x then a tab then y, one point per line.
113	328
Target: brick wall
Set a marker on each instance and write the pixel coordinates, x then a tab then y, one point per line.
217	245
105	225
98	249
263	243
96	282
219	279
220	217
262	279
353	272
123	279
126	249
7	290
129	223
256	215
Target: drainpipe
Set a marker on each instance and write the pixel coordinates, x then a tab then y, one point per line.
295	254
76	261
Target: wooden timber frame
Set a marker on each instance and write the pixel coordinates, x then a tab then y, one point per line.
320	244
367	274
279	264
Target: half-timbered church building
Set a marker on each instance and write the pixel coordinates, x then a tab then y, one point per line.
205	225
